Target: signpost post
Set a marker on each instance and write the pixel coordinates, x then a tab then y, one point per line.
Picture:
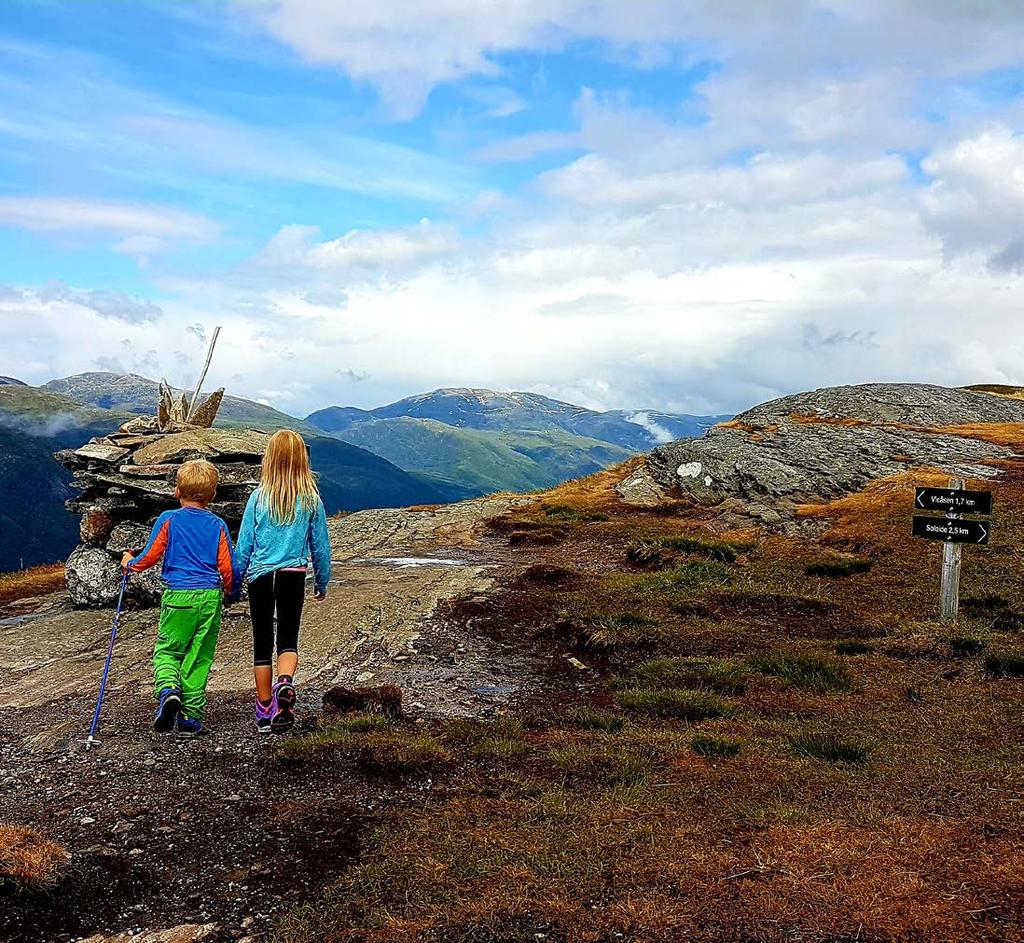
953	531
952	551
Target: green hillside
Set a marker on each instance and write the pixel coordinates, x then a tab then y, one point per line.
483	461
131	393
35	422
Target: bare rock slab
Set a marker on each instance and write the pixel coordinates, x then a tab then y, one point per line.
101	452
823	445
202	443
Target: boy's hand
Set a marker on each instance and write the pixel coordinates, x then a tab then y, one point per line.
126	559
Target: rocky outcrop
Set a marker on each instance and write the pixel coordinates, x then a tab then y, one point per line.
818	446
127	479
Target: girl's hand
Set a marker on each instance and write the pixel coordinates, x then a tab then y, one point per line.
126	559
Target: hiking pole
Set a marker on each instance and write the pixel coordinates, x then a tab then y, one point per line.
92	741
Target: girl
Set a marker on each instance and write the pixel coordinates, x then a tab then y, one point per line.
284	525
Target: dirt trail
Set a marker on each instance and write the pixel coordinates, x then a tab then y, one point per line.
164	832
391	569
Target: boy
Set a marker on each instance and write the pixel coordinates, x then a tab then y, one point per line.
199	565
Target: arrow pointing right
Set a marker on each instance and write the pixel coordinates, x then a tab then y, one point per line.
984	534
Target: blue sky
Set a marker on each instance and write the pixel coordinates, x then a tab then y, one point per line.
683	205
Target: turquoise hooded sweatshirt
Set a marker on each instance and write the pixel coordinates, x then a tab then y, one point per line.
264	545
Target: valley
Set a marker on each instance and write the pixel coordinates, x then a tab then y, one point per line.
398	455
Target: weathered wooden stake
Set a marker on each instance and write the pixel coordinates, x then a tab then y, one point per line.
949	600
202	376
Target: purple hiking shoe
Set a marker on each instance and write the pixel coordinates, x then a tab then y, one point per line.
264	715
283	705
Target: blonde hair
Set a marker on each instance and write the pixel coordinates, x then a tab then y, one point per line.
197	481
287	480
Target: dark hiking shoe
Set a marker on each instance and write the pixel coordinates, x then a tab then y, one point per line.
264	715
283	717
167	709
189	727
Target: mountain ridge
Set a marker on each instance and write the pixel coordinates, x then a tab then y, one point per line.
481	408
35	422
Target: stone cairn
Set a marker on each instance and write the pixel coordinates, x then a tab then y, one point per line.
127	479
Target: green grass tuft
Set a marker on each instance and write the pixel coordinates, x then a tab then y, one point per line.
965	645
609	631
854	648
838	567
589	719
715	674
680	703
400	753
1006	664
653	551
825	745
710	746
818	673
694	575
563	512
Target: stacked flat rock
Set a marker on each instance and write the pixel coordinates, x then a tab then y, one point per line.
127	479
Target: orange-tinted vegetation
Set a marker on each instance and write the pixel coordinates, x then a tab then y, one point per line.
26	858
775	739
21	584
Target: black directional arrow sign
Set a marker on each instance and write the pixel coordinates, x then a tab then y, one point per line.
953	501
952	531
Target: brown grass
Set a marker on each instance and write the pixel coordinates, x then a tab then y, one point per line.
28	859
755	432
35	581
595	492
998	389
1009	434
874	796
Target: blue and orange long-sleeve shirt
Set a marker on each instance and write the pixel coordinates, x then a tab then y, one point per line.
196	550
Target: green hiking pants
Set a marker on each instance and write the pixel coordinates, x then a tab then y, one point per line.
185	643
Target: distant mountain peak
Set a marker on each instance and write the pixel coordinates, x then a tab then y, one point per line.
11	381
519	411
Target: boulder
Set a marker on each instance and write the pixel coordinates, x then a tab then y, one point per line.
128	536
383	699
640	489
140	425
146	588
93	578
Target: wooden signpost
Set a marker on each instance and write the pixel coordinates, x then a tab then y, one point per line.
953	531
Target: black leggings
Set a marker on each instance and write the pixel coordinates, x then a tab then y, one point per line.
282	590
